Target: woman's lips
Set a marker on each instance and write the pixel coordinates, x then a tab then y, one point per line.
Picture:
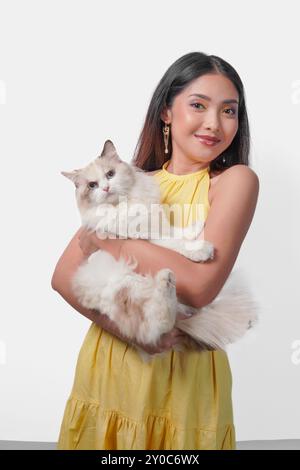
204	141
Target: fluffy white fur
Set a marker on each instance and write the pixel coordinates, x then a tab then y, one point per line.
145	307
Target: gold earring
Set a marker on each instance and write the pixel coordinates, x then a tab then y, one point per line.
166	132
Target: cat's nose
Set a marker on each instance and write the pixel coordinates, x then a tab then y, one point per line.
106	189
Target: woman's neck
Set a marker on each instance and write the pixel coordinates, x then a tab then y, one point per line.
185	168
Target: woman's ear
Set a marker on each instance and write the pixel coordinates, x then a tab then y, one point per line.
166	115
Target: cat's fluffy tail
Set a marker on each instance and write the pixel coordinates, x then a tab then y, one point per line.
226	319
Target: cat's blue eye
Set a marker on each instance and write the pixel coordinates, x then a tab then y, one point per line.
110	174
93	184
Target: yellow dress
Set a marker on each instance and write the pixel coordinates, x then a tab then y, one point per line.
179	401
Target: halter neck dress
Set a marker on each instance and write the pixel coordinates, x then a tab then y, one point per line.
179	401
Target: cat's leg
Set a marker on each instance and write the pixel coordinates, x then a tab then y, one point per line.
160	308
184	240
193	231
144	307
198	250
150	304
195	250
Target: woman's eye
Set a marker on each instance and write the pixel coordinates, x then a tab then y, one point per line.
233	111
110	173
93	184
197	104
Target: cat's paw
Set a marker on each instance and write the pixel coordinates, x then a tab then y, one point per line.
166	278
198	250
192	232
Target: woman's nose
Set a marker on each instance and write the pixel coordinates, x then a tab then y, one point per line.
212	122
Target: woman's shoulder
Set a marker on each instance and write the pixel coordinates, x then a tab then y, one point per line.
235	177
237	167
239	171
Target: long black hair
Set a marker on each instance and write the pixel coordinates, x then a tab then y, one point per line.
149	152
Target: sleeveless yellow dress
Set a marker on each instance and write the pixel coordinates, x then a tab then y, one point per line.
179	401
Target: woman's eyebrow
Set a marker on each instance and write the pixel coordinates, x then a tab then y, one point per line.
209	99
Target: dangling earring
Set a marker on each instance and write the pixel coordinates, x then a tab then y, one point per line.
166	131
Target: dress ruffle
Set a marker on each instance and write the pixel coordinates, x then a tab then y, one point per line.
87	426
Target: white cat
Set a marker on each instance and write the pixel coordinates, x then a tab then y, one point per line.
109	192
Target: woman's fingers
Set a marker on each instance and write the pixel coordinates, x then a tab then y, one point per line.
88	242
183	316
166	342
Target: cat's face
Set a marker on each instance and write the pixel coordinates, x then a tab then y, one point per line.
104	180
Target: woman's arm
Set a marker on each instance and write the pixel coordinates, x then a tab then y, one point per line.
227	224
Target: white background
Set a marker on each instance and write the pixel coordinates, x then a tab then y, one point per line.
74	73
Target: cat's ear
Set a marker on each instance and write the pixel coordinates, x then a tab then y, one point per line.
109	150
73	176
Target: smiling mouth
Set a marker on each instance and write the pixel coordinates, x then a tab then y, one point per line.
209	143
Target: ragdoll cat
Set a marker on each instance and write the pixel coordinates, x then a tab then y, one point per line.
108	190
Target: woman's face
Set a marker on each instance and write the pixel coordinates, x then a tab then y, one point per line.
215	114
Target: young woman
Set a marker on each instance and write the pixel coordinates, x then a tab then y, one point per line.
195	140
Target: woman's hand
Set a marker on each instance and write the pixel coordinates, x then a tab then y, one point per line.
89	242
166	341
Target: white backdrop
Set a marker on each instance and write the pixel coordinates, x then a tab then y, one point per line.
74	73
